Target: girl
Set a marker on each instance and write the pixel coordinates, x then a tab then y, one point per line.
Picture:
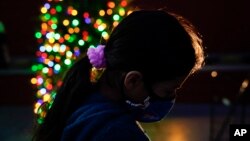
134	77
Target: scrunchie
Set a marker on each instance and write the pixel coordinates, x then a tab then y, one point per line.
96	58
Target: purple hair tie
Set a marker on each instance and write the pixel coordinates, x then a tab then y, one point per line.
96	56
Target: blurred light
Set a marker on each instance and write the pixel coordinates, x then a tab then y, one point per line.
45	70
61	40
98	21
51	57
124	3
42	49
109	11
43	91
101	12
62	48
48	48
57	67
54	19
34	68
38	35
51	64
67	61
245	83
69	54
226	102
105	35
115	23
111	4
53	11
54	26
77	29
69	10
74	12
129	12
86	15
101	27
116	17
65	22
75	22
87	20
121	11
46	97
71	30
44	26
33	81
214	74
66	36
58	8
81	42
57	36
47	16
51	40
43	10
47	5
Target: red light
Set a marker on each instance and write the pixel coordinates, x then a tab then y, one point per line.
124	3
86	15
53	11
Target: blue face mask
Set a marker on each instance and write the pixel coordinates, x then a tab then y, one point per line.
152	110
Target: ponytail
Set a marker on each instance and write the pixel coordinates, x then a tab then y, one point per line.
74	90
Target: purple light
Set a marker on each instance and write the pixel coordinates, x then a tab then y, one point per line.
87	20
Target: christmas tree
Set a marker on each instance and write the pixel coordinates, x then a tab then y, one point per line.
68	28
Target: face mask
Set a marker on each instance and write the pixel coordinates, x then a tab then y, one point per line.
152	110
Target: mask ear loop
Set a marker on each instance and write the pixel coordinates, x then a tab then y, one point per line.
146	102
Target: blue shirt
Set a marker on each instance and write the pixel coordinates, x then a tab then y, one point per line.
100	119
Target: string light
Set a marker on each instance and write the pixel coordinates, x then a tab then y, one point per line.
66	31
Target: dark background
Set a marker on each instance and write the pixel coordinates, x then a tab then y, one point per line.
223	24
206	105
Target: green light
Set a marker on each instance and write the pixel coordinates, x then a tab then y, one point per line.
75	22
2	29
34	68
55	48
57	36
40	120
47	16
54	26
92	46
104	34
99	21
40	66
38	35
57	67
101	28
71	39
81	42
67	62
116	17
69	54
54	19
45	70
122	11
89	38
48	48
59	8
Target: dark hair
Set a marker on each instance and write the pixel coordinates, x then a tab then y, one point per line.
160	45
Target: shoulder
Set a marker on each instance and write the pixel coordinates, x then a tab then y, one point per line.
122	129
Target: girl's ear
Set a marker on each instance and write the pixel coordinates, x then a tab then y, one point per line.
132	80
